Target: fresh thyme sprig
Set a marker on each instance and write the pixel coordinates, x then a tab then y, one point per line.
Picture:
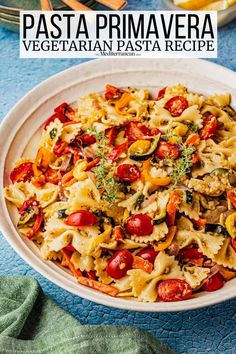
182	166
103	171
170	135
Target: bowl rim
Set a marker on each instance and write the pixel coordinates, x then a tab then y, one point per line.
38	97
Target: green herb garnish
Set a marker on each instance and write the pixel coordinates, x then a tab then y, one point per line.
53	133
169	135
192	127
182	166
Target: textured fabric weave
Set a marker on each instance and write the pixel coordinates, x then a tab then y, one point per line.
31	323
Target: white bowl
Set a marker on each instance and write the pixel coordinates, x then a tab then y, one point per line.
24	120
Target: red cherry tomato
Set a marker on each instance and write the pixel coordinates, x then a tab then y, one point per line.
174	290
22	173
52	176
209	127
113	92
88	139
149	254
135	131
117	151
166	149
213	283
176	105
119	264
81	218
59	113
161	93
139	224
128	173
233	243
32	202
189	253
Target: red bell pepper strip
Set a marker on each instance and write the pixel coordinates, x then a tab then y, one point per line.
37	224
111	134
117	151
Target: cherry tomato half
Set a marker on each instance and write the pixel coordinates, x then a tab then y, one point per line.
149	254
136	131
209	127
139	224
52	176
81	218
174	290
88	139
129	173
22	173
213	283
189	253
166	149
176	105
119	264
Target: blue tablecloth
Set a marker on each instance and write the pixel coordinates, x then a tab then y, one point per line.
209	330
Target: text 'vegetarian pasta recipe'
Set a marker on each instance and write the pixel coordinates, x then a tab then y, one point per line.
135	195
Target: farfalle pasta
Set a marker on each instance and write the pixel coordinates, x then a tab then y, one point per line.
135	195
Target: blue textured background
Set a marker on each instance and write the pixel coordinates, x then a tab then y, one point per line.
210	330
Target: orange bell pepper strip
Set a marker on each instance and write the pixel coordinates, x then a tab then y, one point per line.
170	236
122	103
226	273
140	263
172	207
68	179
94	284
42	161
92	164
160	181
193	139
67	255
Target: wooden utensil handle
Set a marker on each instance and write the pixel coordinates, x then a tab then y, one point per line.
113	4
76	5
46	5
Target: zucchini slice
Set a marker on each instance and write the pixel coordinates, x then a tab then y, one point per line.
160	219
142	156
216	228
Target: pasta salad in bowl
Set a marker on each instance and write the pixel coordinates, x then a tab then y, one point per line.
134	194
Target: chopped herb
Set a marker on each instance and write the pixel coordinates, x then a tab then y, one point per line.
62	213
192	127
183	165
170	135
139	201
53	133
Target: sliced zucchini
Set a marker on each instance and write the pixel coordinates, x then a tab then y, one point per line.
230	224
160	219
189	197
62	213
216	228
220	171
139	201
27	216
141	150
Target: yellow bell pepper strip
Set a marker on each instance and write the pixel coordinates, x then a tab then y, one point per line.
172	207
230	224
94	284
122	103
170	236
160	181
140	263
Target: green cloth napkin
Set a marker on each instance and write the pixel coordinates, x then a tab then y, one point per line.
31	323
